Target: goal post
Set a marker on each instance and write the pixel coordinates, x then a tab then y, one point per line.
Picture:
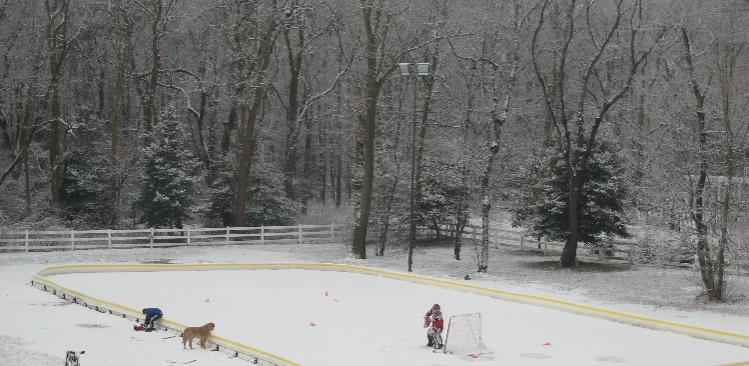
464	335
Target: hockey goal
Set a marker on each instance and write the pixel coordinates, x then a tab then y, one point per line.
464	335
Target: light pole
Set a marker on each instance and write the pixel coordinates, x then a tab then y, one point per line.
422	69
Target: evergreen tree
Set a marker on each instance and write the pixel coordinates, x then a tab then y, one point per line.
602	196
85	185
168	176
443	199
267	203
218	207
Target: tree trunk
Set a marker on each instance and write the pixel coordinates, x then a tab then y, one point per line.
363	182
249	117
339	172
569	252
230	125
292	112
365	161
718	292
483	259
27	182
323	159
499	116
385	220
56	136
309	160
728	51
349	181
115	118
698	196
57	47
25	131
392	190
290	158
100	87
150	118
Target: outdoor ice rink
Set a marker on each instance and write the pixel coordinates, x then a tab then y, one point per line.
326	318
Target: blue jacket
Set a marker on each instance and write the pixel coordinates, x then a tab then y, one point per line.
151	312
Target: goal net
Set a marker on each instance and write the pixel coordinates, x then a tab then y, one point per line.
464	335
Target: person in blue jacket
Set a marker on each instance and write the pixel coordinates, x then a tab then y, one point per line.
152	315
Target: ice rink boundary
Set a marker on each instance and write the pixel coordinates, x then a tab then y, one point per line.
257	355
231	347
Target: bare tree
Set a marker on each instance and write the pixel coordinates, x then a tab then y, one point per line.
251	107
159	11
381	60
598	88
57	47
725	47
300	35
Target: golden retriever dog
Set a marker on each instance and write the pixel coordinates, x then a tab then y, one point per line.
197	332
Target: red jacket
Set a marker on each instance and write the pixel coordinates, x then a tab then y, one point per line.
435	319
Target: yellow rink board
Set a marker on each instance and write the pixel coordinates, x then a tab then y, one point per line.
266	358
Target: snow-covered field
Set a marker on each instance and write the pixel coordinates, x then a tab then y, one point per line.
364	320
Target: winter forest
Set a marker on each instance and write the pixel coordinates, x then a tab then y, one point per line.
578	119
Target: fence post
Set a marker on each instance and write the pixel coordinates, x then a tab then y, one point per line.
332	231
188	235
522	241
227	235
546	245
109	238
600	252
300	233
26	233
262	234
150	237
72	239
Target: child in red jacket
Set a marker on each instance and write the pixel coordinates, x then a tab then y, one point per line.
433	321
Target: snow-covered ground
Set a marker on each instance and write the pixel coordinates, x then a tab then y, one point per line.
375	321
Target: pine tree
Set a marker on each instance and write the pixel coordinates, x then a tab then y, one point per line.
168	176
443	200
267	203
85	185
602	197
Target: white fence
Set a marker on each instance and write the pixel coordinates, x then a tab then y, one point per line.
606	249
27	241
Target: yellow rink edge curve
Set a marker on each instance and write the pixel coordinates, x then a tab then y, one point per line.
266	358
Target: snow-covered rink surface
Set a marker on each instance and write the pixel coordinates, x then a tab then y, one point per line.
385	315
370	320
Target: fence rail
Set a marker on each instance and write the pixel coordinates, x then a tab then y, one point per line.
27	241
607	249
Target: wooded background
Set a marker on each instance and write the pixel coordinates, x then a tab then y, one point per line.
161	113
